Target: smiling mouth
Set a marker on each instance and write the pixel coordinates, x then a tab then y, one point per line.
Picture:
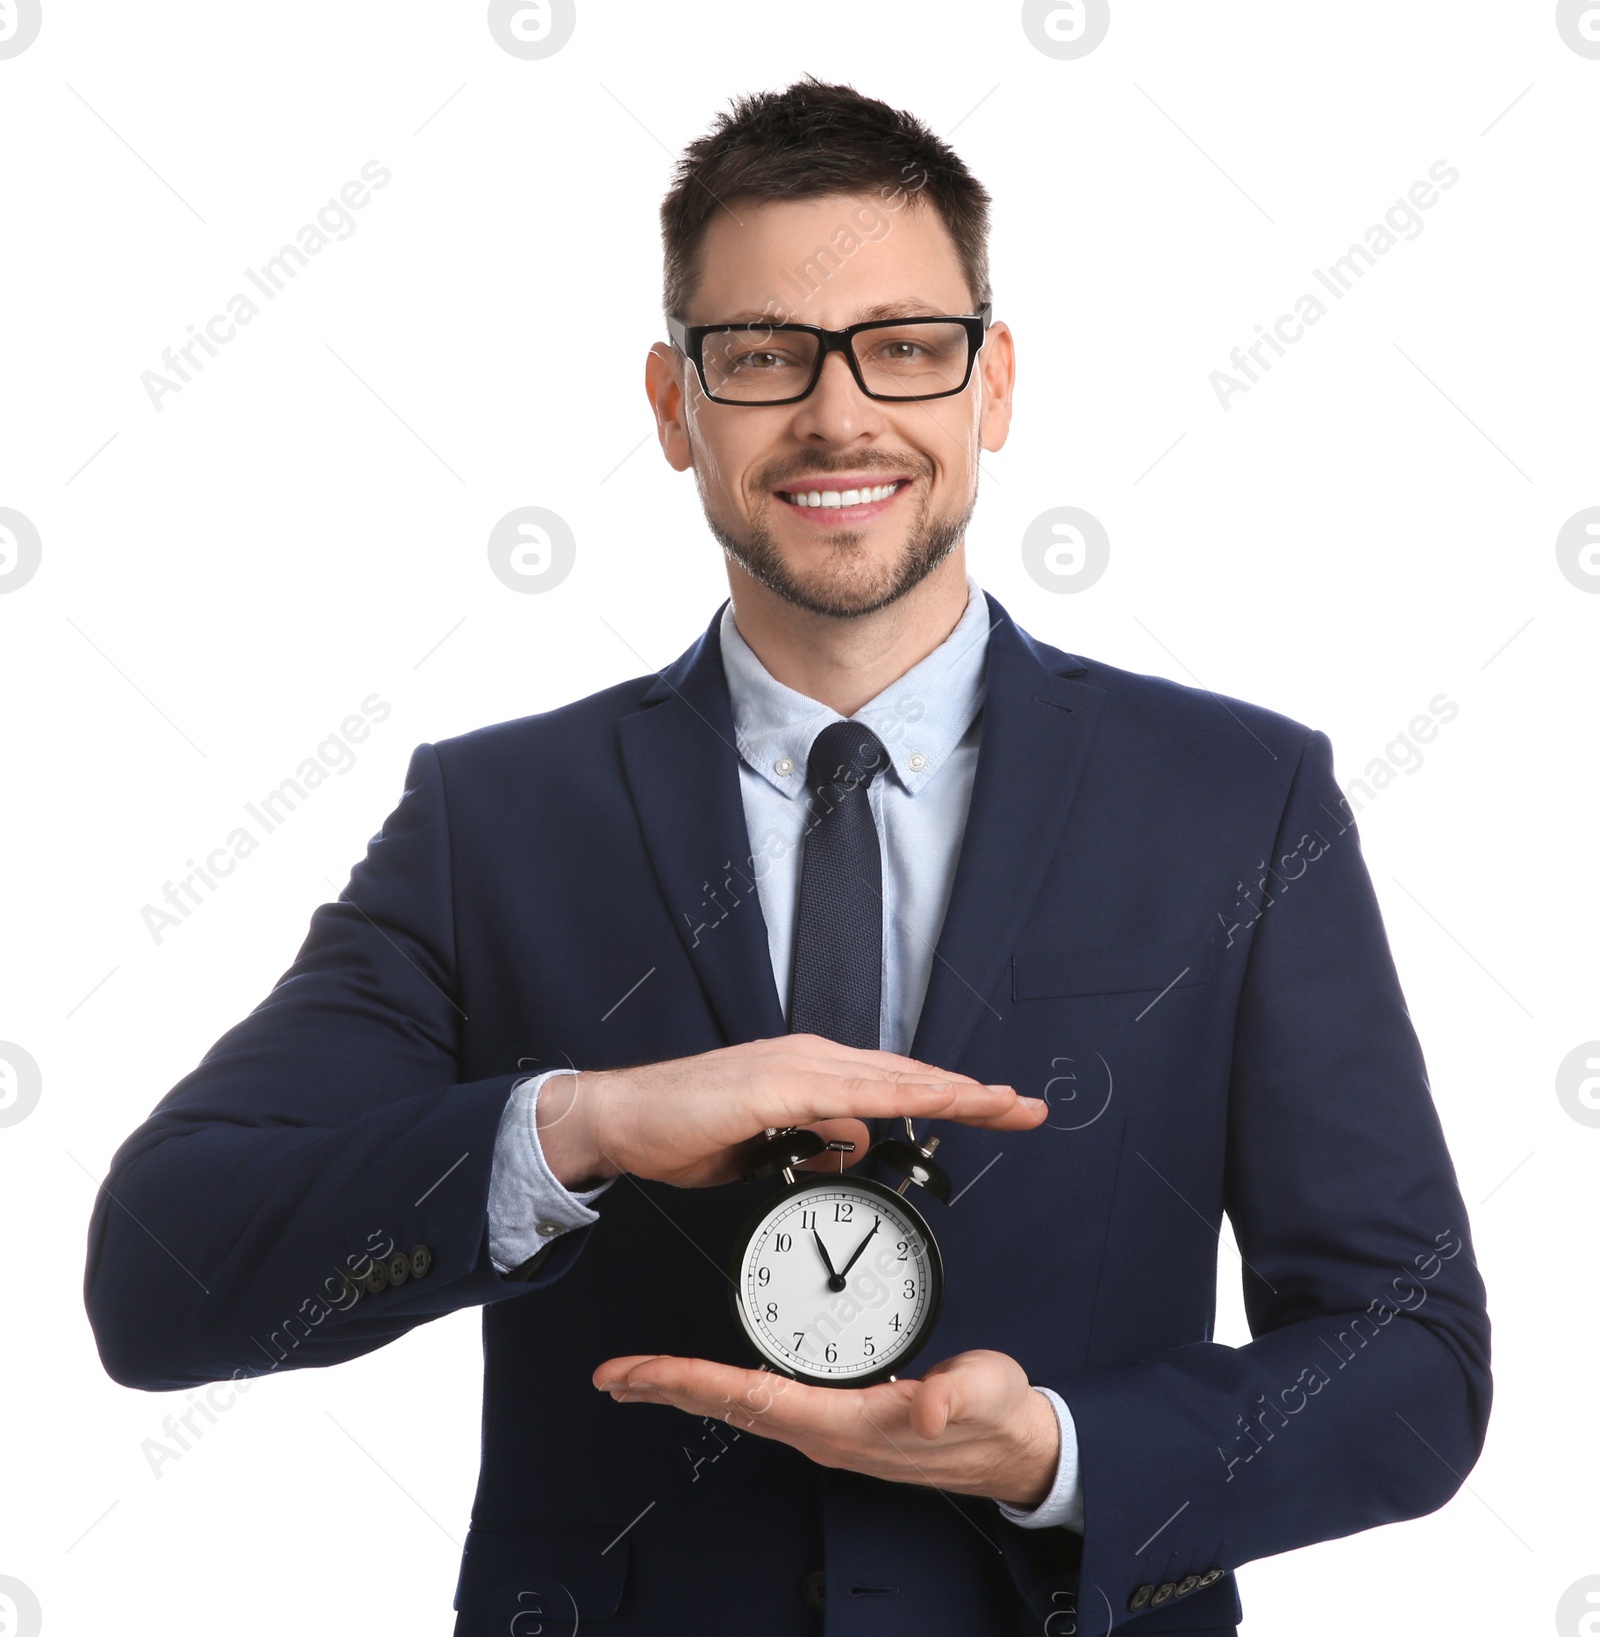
842	499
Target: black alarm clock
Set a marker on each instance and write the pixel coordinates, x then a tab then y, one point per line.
837	1280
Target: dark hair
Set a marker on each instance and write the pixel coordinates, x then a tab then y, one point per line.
806	141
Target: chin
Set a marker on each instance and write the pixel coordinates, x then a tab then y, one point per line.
848	586
851	588
851	580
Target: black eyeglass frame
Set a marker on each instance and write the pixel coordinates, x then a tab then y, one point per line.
689	339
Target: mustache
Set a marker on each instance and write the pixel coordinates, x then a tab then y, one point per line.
776	477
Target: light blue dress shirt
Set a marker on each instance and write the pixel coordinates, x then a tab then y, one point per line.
929	722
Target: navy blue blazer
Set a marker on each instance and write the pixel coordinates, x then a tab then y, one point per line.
1161	920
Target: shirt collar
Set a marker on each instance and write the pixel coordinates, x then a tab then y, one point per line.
920	718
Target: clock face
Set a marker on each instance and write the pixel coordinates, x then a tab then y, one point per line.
837	1282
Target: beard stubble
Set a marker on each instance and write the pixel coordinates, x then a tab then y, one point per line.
850	584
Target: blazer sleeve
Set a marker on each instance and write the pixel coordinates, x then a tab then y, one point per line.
1363	1397
240	1228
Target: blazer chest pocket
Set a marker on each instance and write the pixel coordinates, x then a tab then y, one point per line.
1057	974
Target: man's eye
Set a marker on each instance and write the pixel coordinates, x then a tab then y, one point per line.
757	361
901	352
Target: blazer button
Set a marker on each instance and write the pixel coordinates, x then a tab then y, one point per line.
1189	1583
377	1278
1210	1577
1164	1593
1140	1598
399	1266
421	1261
812	1589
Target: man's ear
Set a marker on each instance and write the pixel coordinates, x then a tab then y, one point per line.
997	364
664	370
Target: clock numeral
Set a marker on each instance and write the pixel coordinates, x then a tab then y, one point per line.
894	1324
772	1312
902	1247
782	1241
842	1209
808	1219
869	1349
799	1337
830	1353
763	1277
911	1288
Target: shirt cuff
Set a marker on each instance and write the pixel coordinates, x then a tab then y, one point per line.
1064	1503
528	1206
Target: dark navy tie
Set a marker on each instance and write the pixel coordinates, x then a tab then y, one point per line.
837	984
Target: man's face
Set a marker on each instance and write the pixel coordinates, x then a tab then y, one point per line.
759	260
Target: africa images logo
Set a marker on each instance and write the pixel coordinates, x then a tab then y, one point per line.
532	28
20	1084
20	1614
1402	221
20	549
333	221
19	28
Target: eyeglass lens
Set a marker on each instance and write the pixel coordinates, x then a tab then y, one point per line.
761	365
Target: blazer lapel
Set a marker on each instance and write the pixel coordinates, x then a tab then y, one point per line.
683	772
1037	726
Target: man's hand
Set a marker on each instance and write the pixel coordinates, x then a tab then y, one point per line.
972	1425
692	1121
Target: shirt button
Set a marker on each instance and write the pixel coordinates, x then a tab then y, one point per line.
917	761
783	767
548	1230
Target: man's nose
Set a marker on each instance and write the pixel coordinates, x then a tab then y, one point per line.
837	410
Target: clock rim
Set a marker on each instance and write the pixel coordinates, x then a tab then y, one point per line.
816	1184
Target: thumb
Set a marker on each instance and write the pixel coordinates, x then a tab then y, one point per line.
930	1408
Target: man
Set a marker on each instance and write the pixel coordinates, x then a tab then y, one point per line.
866	851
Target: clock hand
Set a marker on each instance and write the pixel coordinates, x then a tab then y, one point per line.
877	1222
835	1281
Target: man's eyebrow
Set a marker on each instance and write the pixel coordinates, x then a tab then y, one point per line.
899	309
867	315
750	316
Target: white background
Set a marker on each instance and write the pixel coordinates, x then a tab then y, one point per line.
305	524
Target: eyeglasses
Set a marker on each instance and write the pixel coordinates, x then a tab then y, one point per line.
898	360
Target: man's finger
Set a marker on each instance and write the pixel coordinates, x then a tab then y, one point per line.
615	1370
930	1410
755	1400
933	1405
871	1098
971	1387
705	1387
870	1058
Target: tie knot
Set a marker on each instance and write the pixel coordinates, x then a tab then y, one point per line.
845	756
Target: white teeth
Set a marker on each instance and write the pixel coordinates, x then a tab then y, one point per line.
841	497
